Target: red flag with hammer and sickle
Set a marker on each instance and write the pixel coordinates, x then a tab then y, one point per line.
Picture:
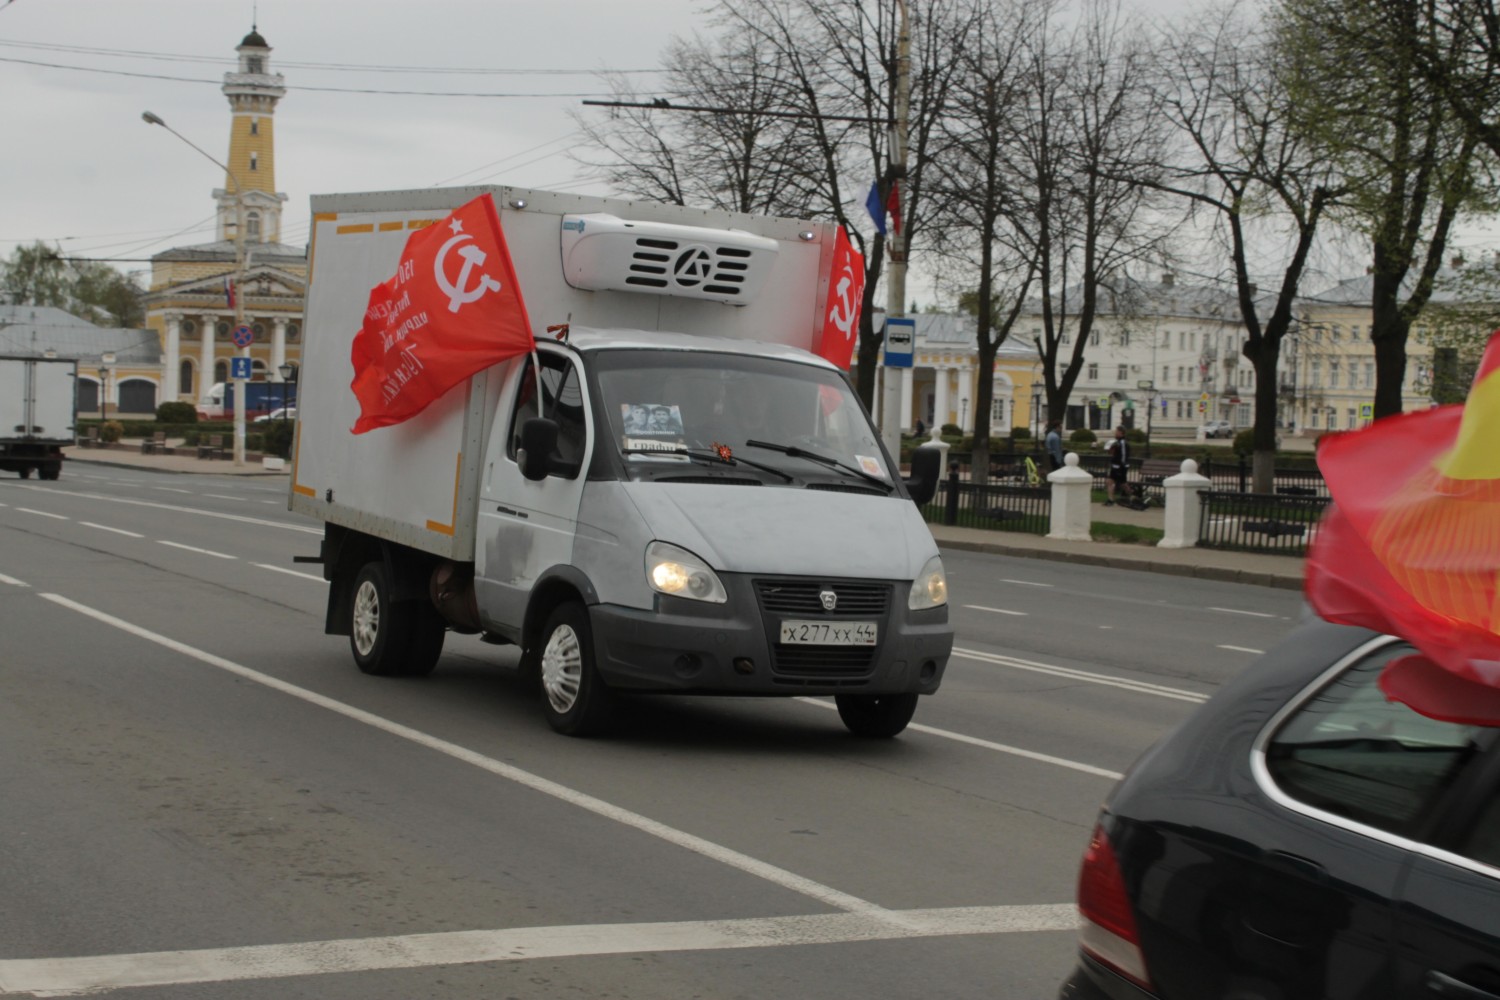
452	308
846	293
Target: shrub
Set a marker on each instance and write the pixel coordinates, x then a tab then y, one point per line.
1020	433
952	430
111	431
1082	435
277	438
177	412
1244	442
1135	436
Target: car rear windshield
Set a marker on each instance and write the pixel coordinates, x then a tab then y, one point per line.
1349	751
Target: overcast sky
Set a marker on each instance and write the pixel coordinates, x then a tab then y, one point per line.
81	167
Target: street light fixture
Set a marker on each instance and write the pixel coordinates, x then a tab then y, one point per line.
239	277
288	376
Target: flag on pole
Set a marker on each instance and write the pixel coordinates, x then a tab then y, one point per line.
876	208
846	294
229	291
893	206
1412	547
452	308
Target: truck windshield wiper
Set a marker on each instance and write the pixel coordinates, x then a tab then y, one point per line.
824	460
707	456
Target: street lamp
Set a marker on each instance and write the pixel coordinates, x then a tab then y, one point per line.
288	375
239	278
105	360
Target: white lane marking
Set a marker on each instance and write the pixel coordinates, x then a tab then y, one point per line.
221	496
194	548
1140	687
679	838
1243	649
105	527
13	581
1237	611
43	513
1027	583
184	510
171	489
998	611
289	572
73	976
947	734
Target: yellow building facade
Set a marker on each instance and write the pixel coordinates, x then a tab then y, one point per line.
198	295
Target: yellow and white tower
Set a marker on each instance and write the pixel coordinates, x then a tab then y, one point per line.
252	92
189	304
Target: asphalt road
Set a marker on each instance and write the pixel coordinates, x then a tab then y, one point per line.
204	799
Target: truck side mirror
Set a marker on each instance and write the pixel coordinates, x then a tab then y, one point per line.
926	468
538	440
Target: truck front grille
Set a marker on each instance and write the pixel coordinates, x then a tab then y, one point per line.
839	666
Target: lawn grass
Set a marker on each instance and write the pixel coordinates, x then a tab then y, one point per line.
1132	534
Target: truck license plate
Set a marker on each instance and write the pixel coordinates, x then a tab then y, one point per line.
808	633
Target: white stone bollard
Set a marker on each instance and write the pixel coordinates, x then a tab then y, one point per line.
1072	518
1184	513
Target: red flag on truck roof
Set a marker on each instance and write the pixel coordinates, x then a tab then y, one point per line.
1412	547
452	308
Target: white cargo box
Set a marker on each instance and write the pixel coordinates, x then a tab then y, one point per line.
584	260
38	400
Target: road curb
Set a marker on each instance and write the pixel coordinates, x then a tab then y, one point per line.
1226	574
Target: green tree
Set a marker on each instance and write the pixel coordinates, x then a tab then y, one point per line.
39	275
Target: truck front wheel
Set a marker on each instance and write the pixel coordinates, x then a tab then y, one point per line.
391	638
877	716
574	699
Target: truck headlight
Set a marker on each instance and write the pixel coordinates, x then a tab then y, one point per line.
675	571
930	588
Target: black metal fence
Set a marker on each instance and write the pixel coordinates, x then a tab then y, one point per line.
1259	522
1232	476
1000	506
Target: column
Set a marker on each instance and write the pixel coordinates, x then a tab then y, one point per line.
940	400
170	388
966	384
206	358
907	423
278	347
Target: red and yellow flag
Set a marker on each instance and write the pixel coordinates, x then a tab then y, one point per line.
452	308
1412	547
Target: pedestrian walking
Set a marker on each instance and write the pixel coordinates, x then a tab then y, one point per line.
1119	467
1054	445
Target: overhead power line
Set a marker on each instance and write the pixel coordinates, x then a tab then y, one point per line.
660	104
335	90
230	64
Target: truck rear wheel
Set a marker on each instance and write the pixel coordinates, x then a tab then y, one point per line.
49	471
25	471
574	699
876	716
392	638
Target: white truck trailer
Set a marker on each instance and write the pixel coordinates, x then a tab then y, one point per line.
682	499
38	414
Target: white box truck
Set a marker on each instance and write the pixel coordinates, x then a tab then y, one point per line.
38	414
671	494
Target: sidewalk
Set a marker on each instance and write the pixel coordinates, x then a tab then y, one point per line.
183	460
1207	564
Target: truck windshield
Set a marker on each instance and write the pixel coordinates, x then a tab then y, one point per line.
678	407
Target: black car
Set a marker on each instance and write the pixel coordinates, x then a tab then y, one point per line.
1299	836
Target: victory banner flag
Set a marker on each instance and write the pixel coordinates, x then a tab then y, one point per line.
1412	547
846	294
452	308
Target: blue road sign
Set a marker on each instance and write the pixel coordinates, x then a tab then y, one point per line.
239	367
900	336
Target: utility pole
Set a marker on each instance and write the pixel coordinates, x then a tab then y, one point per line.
895	277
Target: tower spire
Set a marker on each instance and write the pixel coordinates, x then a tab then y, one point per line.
253	92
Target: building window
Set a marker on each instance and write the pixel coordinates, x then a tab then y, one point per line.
1166	373
1315	418
293	331
1333	374
1317	375
1124	338
260	331
1369	374
1094	339
221	371
252	226
185	378
1123	373
254	64
1353	333
221	331
1093	373
254	161
1166	338
189	327
1353	418
255	126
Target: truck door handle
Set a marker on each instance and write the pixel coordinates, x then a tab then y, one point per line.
1440	984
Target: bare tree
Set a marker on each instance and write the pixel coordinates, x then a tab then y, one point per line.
973	226
1244	161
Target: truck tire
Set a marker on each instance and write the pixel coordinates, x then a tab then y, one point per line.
49	471
25	471
876	716
574	699
391	638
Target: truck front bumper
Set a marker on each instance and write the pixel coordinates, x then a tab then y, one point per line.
735	648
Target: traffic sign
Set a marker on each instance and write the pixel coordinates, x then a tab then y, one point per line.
1103	403
239	367
243	336
1366	411
900	334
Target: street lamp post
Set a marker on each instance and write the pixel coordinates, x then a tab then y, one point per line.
239	279
105	360
288	375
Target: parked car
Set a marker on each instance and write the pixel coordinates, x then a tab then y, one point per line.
1299	836
280	413
1218	429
